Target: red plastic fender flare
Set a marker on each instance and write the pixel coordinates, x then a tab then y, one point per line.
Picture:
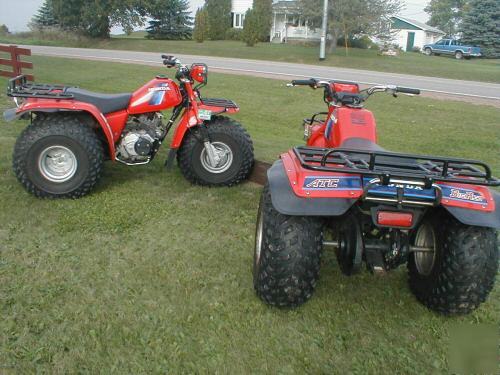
190	119
35	105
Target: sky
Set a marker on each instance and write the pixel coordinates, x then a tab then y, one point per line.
17	13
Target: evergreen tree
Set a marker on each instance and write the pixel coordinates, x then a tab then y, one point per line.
263	11
200	32
44	17
251	28
219	18
171	20
481	26
446	14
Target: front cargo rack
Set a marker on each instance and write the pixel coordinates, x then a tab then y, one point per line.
19	87
390	165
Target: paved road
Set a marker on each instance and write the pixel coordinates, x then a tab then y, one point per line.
285	71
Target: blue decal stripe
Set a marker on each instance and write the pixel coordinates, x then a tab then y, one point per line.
157	98
329	126
474	196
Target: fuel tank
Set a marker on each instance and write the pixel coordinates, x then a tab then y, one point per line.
158	94
344	123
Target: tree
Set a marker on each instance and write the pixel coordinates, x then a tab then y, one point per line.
96	20
219	18
171	20
4	30
44	17
481	26
251	28
263	13
200	32
446	14
350	17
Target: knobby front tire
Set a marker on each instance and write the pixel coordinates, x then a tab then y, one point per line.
226	134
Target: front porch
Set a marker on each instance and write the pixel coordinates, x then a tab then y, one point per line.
287	26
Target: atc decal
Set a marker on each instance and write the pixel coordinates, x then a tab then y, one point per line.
323	183
331	183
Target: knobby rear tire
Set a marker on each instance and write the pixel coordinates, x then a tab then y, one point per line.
287	266
464	270
58	130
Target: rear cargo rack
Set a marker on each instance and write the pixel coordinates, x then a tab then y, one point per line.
387	166
224	103
19	87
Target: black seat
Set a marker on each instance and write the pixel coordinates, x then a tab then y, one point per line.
361	144
106	103
367	145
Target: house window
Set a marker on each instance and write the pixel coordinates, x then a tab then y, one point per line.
238	20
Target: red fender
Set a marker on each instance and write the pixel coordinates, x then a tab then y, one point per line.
190	118
111	125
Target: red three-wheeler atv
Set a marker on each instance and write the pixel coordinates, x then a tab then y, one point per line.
343	190
60	154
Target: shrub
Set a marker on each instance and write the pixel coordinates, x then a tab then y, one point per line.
363	42
234	34
56	34
251	29
200	32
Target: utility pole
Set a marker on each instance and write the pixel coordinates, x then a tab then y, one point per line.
324	28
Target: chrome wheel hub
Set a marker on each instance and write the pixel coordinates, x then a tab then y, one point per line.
424	261
216	157
258	237
57	164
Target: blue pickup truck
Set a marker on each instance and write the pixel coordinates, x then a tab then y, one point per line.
452	47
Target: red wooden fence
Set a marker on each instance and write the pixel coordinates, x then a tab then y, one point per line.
15	61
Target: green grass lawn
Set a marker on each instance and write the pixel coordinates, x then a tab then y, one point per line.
149	274
140	34
406	63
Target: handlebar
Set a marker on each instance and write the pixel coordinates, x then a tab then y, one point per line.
170	61
182	70
407	90
350	98
304	82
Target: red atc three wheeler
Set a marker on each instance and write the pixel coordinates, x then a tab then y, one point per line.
72	131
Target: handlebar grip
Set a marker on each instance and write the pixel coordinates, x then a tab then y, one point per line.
304	82
407	90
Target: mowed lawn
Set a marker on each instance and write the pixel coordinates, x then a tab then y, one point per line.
150	274
487	70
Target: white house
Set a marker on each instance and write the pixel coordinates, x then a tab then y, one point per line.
238	10
287	24
409	33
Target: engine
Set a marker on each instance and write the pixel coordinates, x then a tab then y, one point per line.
140	138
